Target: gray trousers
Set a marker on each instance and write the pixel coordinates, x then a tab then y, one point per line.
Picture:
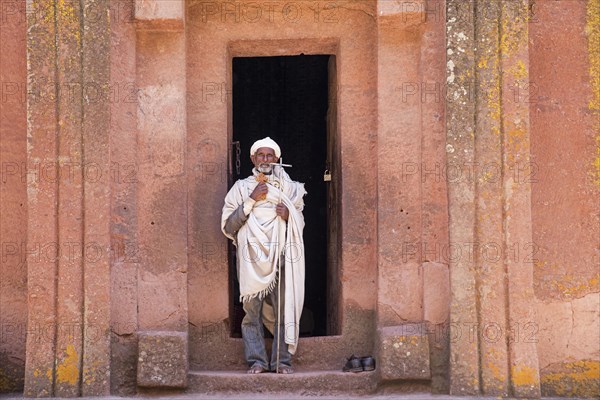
253	333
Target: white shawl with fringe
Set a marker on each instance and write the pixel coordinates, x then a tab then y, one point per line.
263	238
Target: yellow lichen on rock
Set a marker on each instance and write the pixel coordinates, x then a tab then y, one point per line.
66	10
524	376
571	286
520	71
593	33
513	31
496	372
68	370
579	378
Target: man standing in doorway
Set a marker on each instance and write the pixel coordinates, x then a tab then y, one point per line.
263	216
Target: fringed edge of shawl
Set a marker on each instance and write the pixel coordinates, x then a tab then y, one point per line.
263	293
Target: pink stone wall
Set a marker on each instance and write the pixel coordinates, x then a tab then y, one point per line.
565	195
13	195
412	198
169	134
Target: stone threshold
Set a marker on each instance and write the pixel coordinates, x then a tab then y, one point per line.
303	383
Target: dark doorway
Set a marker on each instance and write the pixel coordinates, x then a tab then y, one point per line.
287	98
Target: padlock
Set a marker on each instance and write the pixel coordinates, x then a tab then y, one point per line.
327	176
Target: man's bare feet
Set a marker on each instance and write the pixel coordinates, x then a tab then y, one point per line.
284	369
256	369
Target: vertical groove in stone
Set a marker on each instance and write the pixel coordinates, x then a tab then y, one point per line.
41	195
123	176
69	342
506	280
476	120
56	192
523	359
82	231
460	148
96	129
488	180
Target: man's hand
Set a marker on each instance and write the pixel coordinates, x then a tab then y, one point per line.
282	211
259	192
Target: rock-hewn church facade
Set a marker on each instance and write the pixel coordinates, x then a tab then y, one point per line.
451	149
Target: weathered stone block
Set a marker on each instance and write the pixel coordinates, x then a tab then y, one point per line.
159	10
159	15
436	292
162	359
409	12
404	352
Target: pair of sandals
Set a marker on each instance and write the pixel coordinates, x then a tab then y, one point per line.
359	364
258	369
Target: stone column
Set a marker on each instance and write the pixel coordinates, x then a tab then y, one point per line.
403	347
490	207
95	66
68	242
70	177
41	196
124	178
162	194
517	168
434	210
460	152
487	176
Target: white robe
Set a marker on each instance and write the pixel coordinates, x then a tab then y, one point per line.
264	237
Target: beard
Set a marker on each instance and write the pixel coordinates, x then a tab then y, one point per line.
265	168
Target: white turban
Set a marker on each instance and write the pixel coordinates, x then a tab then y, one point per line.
266	142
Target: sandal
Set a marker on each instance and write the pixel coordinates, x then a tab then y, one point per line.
353	365
368	363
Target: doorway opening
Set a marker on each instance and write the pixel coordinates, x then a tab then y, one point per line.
292	100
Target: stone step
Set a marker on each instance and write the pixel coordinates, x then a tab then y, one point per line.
304	383
314	353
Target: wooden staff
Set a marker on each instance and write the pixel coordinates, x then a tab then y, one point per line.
281	165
